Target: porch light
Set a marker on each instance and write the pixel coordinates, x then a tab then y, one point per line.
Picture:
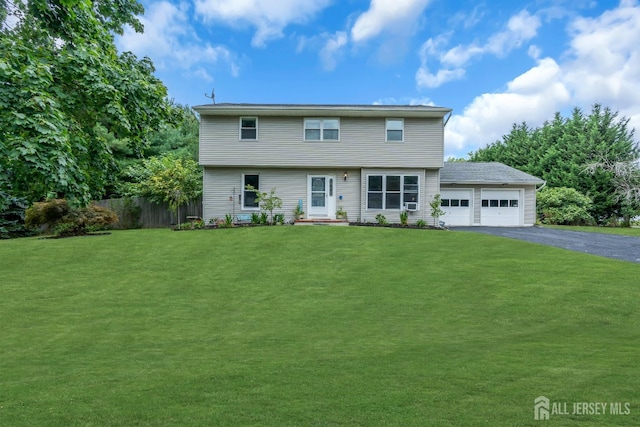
345	176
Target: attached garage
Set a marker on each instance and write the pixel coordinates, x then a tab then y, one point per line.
487	194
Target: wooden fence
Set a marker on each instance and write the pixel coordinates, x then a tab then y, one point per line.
138	212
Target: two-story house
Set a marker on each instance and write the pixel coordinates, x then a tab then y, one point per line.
361	159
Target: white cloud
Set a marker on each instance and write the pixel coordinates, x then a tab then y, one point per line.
519	29
269	17
605	59
534	52
532	97
170	41
601	65
467	20
395	16
332	50
425	78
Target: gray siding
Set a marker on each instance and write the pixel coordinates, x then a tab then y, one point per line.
281	144
224	185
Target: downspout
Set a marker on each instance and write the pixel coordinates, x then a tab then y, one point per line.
544	183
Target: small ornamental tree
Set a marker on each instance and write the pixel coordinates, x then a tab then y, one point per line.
436	210
563	206
166	179
267	201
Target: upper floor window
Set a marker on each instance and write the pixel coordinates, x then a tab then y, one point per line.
395	130
321	129
249	128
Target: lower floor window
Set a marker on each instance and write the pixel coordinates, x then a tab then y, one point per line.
392	191
249	199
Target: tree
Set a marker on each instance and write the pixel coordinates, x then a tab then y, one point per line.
436	210
179	137
166	179
65	90
625	178
560	150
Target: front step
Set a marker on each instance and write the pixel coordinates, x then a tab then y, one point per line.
320	221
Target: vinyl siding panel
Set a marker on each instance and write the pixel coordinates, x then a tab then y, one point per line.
224	185
281	143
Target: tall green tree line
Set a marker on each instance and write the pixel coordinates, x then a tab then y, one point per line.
565	152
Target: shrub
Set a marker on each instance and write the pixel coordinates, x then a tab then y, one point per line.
382	220
278	218
227	222
421	223
12	213
65	220
46	213
264	218
404	218
563	206
255	218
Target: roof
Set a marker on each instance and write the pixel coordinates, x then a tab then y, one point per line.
484	173
228	109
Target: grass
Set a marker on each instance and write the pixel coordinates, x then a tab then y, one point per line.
311	326
622	231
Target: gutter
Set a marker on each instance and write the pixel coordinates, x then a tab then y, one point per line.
544	183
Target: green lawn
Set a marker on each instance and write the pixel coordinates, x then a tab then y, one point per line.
623	231
318	326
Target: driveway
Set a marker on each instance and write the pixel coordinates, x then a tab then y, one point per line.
626	248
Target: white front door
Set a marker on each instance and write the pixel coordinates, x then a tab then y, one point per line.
321	196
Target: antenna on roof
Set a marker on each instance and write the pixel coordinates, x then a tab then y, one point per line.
212	96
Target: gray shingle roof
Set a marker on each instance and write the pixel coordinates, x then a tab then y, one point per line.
484	173
304	109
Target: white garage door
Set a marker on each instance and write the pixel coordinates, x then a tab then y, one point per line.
501	207
458	207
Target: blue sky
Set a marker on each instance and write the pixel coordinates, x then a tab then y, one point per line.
495	63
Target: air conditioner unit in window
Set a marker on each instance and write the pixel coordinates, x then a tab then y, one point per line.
411	206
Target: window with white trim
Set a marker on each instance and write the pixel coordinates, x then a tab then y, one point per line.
322	129
395	130
392	191
249	128
249	197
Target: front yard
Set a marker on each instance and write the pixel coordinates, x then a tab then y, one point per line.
312	326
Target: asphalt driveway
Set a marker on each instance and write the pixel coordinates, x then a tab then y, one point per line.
625	248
